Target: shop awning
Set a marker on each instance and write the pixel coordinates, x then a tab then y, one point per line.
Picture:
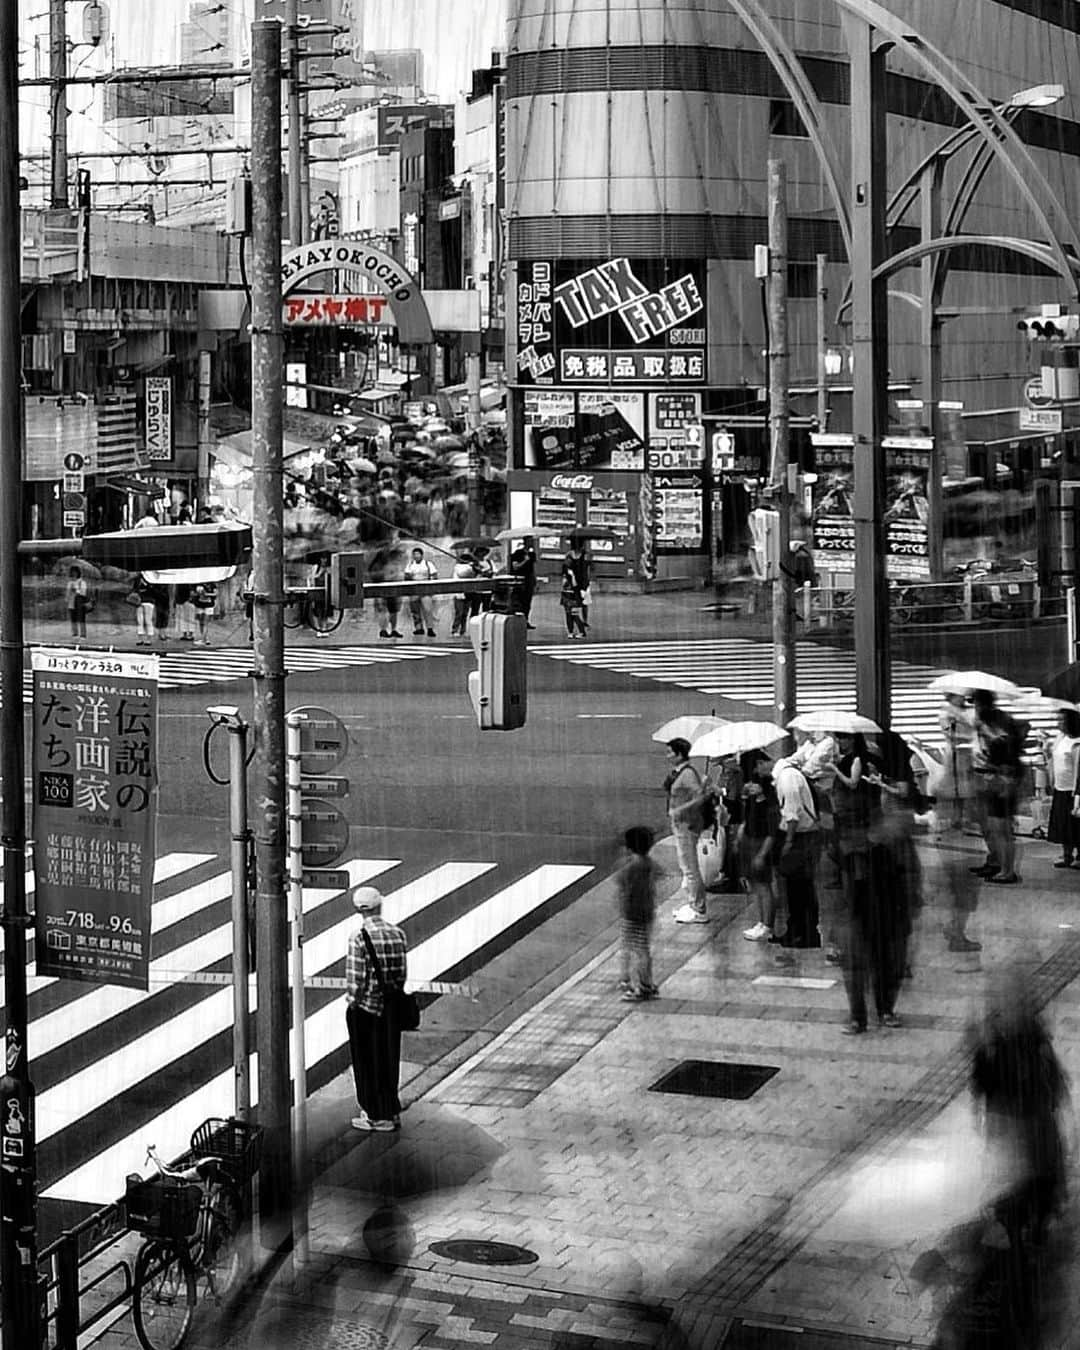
235	451
994	430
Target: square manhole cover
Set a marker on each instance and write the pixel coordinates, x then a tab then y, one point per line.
715	1078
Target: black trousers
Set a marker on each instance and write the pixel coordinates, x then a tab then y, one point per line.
375	1048
875	953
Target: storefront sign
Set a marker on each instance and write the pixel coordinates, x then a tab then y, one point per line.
304	311
158	417
94	776
678	512
1041	419
578	366
672	413
613	288
611	429
549	430
572	482
535	336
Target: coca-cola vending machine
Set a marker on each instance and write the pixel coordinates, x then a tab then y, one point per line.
605	507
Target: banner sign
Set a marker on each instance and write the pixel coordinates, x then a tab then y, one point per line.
611	429
535	344
158	417
306	311
94	777
678	512
607	367
832	513
907	507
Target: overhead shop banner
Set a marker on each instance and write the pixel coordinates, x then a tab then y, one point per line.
94	779
632	321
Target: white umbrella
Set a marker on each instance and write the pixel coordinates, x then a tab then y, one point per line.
834	719
1034	702
737	737
966	681
689	727
518	532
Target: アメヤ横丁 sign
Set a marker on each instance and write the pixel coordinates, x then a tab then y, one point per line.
375	267
94	776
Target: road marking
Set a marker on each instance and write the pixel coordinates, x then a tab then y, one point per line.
793	982
610	717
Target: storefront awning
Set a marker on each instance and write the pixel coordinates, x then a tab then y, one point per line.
997	430
236	452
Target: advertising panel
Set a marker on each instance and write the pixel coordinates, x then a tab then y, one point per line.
549	428
158	417
832	512
611	429
535	337
678	512
94	777
907	507
671	446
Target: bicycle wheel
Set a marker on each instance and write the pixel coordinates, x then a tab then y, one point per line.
220	1257
163	1296
322	617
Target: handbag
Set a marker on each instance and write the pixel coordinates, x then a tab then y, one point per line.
710	855
402	1008
134	599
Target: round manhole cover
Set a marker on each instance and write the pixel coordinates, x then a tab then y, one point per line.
307	1330
480	1253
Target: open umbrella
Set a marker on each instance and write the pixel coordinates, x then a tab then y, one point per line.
834	719
518	532
689	727
735	738
361	465
472	543
446	442
1034	702
589	532
966	681
84	569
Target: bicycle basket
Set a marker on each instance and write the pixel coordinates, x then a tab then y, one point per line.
162	1207
235	1142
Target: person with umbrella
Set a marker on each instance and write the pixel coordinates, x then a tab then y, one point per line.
482	567
463	571
523	567
577	577
755	840
999	741
686	796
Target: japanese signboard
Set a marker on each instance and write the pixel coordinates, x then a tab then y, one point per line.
535	345
549	428
832	513
611	429
158	417
678	512
365	311
672	444
907	507
94	776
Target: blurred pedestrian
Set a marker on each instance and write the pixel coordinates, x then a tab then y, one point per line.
578	565
956	722
686	796
482	567
962	891
1062	753
463	571
572	601
204	600
77	600
387	607
143	597
635	886
185	613
796	853
755	841
816	757
422	607
159	597
376	959
998	766
522	565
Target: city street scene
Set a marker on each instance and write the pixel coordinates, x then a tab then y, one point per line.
540	674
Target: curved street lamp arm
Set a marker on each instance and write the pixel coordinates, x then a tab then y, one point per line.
784	61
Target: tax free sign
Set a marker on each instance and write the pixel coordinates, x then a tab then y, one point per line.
615	288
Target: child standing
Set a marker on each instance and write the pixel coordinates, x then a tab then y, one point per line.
635	884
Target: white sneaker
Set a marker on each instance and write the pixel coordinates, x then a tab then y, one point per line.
758	933
688	914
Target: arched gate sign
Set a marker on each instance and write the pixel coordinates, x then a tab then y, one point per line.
349	255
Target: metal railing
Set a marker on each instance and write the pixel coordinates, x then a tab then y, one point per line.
61	1266
970	600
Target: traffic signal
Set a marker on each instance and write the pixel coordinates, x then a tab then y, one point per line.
497	687
1051	327
347	580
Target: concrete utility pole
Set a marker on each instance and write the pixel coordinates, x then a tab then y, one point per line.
474	419
783	618
268	634
19	1307
297	232
930	347
58	107
822	371
870	343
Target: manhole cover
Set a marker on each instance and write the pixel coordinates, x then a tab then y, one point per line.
306	1329
715	1078
480	1253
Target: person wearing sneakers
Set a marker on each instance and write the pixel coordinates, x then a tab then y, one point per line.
998	767
1062	752
686	810
798	839
377	957
755	839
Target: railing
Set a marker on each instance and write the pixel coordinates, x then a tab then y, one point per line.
971	600
61	1266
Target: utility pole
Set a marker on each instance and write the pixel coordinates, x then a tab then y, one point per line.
822	371
474	419
930	347
19	1308
870	343
297	232
783	616
268	777
58	108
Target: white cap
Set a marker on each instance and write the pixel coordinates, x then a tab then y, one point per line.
367	898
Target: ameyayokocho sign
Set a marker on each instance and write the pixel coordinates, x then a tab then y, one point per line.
380	270
622	321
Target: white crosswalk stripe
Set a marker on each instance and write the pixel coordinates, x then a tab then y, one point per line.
213	665
153	1040
741	669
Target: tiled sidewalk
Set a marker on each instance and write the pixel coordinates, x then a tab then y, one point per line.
656	1219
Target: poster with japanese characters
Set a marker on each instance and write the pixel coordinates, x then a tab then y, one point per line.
94	781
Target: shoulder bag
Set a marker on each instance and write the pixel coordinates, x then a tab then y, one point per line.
402	1008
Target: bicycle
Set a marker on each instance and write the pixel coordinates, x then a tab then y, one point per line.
191	1218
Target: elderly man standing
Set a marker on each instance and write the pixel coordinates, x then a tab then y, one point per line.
376	960
797	855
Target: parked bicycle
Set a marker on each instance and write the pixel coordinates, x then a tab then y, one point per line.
192	1219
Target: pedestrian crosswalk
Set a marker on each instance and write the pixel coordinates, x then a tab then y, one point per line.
116	1069
214	665
742	669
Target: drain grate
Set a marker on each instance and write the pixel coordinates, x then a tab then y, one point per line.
715	1078
481	1253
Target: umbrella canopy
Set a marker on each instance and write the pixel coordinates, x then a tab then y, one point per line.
589	532
84	569
1040	703
689	727
966	681
834	719
361	465
445	442
456	459
735	738
517	532
473	542
188	576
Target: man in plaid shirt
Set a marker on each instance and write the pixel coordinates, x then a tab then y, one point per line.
374	1037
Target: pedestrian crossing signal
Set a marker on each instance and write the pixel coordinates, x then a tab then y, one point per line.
347	580
497	687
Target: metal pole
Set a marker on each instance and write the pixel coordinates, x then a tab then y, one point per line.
293	724
19	1307
267	373
58	108
930	344
238	857
305	169
822	373
870	340
296	172
205	435
783	616
472	384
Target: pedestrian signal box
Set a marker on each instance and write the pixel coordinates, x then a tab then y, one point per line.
497	687
347	580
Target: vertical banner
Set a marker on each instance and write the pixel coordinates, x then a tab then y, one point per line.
158	417
907	507
833	508
94	776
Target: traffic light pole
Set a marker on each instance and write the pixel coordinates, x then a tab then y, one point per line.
268	641
783	616
19	1307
